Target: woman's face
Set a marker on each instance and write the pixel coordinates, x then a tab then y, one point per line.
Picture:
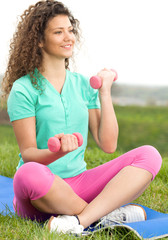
59	38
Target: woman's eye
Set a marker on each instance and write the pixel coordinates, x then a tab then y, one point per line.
59	32
72	30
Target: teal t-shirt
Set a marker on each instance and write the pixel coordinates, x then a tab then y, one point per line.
56	113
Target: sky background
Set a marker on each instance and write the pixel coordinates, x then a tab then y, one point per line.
130	36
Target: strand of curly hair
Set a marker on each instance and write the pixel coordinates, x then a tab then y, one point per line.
25	54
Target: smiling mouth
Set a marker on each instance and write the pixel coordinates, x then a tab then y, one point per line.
68	46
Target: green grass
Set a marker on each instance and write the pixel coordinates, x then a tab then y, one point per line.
143	125
150	126
8	151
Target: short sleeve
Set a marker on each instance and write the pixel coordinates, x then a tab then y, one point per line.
94	101
20	103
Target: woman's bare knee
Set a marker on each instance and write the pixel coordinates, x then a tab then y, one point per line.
60	199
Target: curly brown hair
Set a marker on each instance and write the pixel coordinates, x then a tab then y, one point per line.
25	54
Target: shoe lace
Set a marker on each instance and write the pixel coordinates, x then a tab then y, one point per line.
116	216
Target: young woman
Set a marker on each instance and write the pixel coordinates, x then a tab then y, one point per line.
46	100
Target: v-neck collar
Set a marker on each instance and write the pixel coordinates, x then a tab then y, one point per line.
51	86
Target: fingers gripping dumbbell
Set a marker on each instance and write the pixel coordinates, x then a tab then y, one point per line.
54	143
96	81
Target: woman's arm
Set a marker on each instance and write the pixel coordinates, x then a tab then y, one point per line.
103	123
25	132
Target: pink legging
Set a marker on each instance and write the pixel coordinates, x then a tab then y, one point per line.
33	180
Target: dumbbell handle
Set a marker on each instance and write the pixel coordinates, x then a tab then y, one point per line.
96	81
54	143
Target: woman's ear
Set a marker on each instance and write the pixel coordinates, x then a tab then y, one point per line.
40	45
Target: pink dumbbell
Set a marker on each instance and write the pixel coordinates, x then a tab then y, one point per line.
54	143
96	82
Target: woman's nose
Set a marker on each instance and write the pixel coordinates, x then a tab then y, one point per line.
68	36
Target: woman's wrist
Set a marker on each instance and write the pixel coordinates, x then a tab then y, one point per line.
105	96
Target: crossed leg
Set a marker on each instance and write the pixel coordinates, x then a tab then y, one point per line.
103	189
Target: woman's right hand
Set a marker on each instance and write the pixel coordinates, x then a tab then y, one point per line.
25	132
68	142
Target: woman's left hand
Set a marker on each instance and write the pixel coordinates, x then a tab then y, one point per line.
107	76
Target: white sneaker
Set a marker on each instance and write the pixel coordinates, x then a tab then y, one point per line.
65	224
126	214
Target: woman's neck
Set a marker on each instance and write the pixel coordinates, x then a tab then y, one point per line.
53	67
54	72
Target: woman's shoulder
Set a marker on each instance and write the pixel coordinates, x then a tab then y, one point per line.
23	88
24	85
78	78
23	82
82	84
77	75
21	100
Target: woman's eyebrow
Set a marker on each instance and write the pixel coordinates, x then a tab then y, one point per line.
54	28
